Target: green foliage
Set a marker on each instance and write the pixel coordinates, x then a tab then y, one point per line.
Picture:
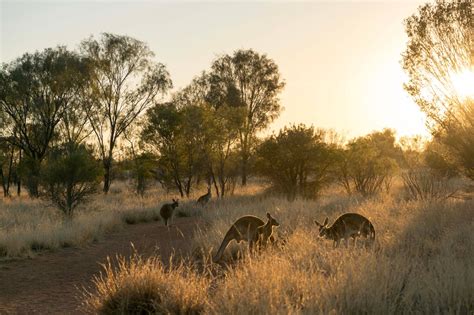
35	90
194	139
143	171
438	158
174	134
251	81
368	163
458	138
69	176
125	82
296	160
7	155
439	47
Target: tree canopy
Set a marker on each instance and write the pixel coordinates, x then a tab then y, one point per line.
439	53
250	80
125	81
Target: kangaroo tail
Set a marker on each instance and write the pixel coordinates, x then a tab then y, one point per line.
225	242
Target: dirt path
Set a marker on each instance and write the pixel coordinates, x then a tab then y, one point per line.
48	283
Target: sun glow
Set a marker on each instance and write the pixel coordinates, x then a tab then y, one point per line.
463	83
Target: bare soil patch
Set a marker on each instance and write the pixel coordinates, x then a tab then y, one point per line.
48	283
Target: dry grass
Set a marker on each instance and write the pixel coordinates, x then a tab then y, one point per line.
423	261
146	286
27	226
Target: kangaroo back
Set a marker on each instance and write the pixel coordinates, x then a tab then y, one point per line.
244	228
347	225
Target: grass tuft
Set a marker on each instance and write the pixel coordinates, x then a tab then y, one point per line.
146	286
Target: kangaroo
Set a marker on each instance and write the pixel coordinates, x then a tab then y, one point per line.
347	225
248	228
205	198
167	210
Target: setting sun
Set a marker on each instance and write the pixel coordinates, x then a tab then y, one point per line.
463	83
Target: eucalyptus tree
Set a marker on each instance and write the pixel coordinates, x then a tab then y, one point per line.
251	81
35	90
439	61
215	130
125	81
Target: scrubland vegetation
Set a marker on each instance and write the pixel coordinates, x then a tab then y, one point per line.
421	263
71	120
31	225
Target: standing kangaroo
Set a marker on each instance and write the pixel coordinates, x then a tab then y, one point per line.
205	198
347	225
167	210
248	228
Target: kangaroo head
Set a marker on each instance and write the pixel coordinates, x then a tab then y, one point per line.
175	203
323	228
272	220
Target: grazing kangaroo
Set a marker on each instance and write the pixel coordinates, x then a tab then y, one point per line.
248	228
167	210
205	198
347	225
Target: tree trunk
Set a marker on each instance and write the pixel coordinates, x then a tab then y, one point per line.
107	167
10	166
18	179
245	160
32	180
2	178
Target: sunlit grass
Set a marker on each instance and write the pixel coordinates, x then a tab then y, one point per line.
422	261
28	226
146	286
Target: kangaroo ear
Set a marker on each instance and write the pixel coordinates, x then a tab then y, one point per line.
326	221
319	224
268	215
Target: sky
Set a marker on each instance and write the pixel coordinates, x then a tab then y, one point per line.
340	59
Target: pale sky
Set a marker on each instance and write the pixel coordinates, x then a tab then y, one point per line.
340	59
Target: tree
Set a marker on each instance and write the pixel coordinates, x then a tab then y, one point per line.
6	165
125	82
439	54
368	163
296	160
220	139
35	89
251	81
173	135
215	129
69	176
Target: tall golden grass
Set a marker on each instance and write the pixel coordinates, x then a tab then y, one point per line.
422	262
30	225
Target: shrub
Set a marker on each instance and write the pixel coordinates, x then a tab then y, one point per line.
423	184
69	176
367	164
296	160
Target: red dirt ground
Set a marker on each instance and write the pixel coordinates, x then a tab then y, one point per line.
48	283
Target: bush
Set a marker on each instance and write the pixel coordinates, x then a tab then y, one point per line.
367	164
146	286
425	185
69	176
296	160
